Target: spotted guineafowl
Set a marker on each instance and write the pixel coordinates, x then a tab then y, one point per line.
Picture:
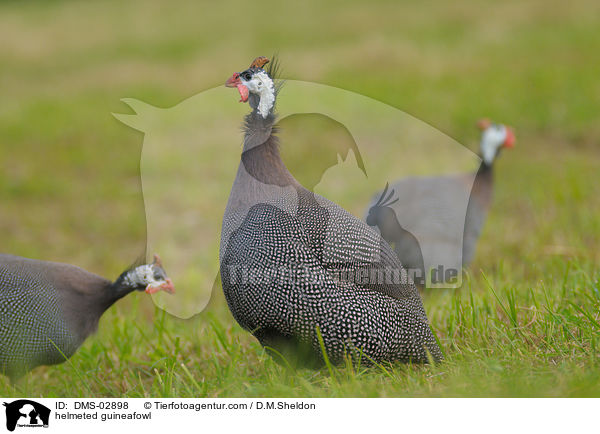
48	309
301	273
435	205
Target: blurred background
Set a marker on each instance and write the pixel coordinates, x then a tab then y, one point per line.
70	186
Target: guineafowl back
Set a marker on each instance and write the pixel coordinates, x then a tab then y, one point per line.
285	277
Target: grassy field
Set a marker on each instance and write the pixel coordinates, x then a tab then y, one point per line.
526	322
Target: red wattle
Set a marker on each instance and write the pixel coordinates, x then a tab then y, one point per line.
244	92
510	138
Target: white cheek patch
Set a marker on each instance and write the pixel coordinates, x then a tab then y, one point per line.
491	139
262	85
250	85
141	276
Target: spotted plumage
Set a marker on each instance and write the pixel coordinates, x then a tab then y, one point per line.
297	268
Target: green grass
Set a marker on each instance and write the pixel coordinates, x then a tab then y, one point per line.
526	322
504	339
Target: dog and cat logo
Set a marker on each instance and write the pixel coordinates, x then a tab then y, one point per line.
25	413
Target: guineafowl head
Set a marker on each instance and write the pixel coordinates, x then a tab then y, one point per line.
151	278
494	137
256	86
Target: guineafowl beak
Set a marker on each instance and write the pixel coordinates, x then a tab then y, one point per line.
235	81
167	287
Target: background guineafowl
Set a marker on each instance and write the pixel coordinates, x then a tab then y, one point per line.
293	262
434	206
47	309
494	138
404	243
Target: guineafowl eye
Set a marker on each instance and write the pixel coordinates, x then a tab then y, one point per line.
246	76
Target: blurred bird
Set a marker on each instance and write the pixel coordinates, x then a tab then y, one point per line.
432	204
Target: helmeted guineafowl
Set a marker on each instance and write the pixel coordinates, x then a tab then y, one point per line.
298	271
435	204
47	309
